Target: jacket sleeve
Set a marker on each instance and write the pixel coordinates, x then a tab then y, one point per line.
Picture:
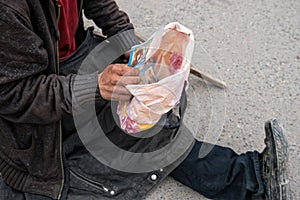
107	16
27	93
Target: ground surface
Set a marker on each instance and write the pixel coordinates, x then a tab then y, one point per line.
254	46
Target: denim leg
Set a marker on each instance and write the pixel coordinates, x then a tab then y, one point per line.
8	193
222	174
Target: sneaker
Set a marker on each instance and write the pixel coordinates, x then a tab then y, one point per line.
274	160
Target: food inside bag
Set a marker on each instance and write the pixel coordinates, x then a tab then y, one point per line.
164	65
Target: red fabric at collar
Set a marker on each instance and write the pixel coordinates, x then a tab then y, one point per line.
67	25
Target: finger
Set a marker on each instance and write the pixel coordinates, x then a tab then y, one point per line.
124	69
117	89
132	72
128	80
124	80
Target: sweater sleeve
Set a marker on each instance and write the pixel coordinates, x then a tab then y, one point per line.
107	16
27	93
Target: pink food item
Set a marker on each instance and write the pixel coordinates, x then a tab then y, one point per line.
173	44
175	62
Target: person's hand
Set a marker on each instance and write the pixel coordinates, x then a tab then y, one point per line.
114	78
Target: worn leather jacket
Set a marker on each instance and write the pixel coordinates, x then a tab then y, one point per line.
35	97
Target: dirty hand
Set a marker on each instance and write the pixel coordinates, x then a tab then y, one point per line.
114	78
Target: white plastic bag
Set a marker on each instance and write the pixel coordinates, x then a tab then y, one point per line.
164	64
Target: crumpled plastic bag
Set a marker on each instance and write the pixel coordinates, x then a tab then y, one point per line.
164	65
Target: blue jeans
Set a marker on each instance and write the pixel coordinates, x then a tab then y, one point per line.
222	174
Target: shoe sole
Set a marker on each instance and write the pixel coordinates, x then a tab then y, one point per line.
277	173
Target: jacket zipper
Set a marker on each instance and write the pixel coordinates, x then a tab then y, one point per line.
61	162
90	182
80	9
79	12
60	125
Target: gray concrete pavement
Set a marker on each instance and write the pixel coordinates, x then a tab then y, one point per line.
254	46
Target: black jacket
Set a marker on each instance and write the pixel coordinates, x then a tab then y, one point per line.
33	96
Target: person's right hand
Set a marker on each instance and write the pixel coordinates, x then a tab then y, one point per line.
114	78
